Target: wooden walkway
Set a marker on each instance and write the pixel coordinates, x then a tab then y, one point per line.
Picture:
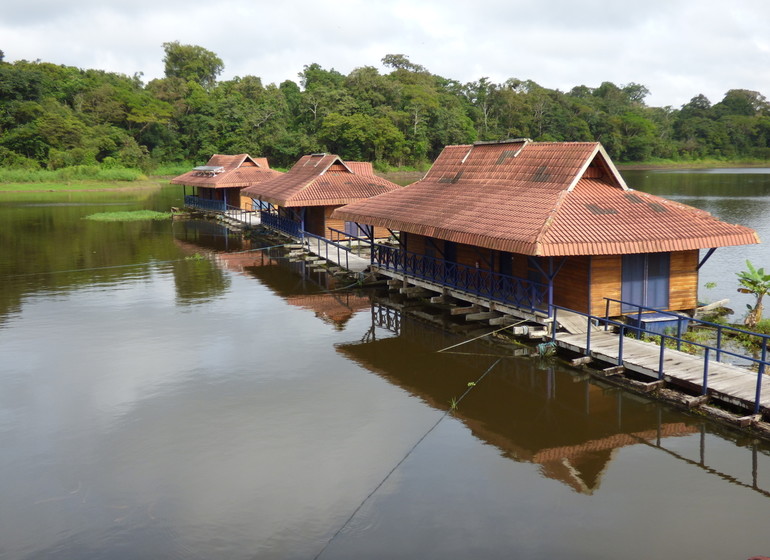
729	383
340	257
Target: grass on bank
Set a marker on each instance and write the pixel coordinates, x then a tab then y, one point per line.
133	216
68	174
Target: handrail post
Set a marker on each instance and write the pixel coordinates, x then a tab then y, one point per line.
679	334
719	343
553	325
704	389
588	336
660	360
620	344
639	323
607	315
760	374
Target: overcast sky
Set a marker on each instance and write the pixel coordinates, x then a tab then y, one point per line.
676	48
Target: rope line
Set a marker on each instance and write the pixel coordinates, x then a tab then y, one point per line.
480	336
404	458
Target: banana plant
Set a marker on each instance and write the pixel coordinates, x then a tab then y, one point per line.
754	281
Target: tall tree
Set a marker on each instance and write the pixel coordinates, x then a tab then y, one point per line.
192	63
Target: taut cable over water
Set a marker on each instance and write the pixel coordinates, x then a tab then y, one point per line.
471	386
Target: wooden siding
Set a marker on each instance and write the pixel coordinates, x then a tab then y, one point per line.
683	285
314	220
475	256
337	224
605	283
683	282
583	282
570	287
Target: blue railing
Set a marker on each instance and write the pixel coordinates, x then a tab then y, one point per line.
193	201
510	290
721	330
279	223
348	239
328	249
717	348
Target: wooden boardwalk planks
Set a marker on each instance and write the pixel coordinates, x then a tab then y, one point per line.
730	383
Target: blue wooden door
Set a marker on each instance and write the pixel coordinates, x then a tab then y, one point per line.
645	280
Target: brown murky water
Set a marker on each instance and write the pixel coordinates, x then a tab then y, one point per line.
166	391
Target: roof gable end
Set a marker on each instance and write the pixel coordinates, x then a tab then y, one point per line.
601	159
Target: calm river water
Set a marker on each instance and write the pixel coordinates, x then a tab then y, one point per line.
166	391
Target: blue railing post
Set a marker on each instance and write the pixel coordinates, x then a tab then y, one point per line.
588	336
607	315
705	388
760	374
553	325
660	360
719	343
620	344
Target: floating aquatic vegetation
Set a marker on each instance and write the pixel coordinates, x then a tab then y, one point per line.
135	216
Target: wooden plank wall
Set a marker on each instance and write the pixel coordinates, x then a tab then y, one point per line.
475	256
683	295
570	287
605	283
314	220
334	223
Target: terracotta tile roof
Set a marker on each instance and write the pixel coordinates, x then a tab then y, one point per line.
321	180
239	170
542	199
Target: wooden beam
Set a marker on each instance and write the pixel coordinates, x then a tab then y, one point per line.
614	370
582	360
415	291
463	310
481	316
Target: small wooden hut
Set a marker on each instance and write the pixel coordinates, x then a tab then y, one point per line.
303	199
521	225
217	185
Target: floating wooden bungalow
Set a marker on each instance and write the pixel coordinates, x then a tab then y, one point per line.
303	199
517	226
217	185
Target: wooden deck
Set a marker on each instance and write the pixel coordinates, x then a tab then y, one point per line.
729	383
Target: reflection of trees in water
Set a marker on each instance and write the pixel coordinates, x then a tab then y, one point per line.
207	234
198	281
48	246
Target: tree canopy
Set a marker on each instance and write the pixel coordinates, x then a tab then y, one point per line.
53	116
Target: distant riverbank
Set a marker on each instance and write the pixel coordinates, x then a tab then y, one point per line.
400	177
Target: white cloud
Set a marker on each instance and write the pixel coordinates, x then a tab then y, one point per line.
678	49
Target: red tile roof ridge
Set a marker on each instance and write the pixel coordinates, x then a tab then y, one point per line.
321	180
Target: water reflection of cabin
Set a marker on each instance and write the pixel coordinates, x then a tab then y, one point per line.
217	185
518	225
569	426
303	199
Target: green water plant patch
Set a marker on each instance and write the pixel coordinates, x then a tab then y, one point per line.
134	216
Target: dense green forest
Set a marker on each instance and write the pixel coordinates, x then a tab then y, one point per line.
54	116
